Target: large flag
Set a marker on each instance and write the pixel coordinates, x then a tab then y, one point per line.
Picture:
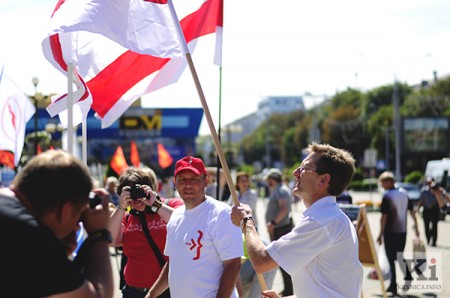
15	111
143	26
134	155
118	162
116	76
165	160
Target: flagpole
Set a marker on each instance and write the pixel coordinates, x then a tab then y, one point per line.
70	107
84	141
219	133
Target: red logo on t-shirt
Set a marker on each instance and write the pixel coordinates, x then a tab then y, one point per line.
199	244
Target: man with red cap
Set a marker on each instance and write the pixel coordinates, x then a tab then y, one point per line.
203	245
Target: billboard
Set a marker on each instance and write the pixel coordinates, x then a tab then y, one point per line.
425	134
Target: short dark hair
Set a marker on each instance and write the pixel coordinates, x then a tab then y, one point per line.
53	178
338	163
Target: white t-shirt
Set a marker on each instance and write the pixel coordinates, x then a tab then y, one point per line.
198	241
321	253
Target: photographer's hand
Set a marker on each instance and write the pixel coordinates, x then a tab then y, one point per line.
98	218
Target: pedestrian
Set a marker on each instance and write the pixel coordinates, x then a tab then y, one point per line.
245	193
321	252
278	216
142	232
203	245
111	186
393	224
431	202
39	216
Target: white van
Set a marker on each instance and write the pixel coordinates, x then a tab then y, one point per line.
439	170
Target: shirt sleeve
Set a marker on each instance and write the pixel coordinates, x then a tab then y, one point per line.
384	208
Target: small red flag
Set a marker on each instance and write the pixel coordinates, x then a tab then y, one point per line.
164	158
7	158
134	155
118	162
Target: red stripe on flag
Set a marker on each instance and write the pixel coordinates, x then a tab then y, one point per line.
117	78
157	1
130	68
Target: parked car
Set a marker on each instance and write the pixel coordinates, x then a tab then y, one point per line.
412	189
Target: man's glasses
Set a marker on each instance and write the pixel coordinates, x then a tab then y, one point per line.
305	168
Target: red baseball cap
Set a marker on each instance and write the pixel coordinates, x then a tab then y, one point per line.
193	164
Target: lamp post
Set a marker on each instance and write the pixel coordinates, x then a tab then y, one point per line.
35	82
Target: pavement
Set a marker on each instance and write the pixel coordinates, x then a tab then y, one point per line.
371	288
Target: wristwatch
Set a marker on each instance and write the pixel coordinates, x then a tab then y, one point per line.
102	234
245	219
156	204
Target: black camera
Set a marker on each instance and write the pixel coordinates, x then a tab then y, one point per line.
94	200
137	192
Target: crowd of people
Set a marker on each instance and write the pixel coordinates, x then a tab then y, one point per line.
180	241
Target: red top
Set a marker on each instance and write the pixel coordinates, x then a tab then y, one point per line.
142	268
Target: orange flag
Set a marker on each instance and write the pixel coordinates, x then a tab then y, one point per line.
134	155
164	158
7	158
118	162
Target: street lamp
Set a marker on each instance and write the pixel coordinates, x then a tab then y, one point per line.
35	82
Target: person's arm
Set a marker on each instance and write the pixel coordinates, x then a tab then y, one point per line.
260	258
161	284
115	221
96	260
256	249
412	212
229	276
383	221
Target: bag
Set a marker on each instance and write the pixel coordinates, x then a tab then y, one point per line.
419	252
383	263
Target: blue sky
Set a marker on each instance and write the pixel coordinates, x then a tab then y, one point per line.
287	48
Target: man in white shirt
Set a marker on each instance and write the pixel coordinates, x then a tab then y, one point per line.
321	252
203	246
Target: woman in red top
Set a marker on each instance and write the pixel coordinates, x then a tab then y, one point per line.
145	260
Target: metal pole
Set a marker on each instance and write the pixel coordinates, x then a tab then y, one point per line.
35	82
397	132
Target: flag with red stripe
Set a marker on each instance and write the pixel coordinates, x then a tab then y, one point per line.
116	76
142	26
16	110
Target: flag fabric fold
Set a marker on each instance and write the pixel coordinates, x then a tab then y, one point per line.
145	27
16	110
118	162
165	160
134	155
116	75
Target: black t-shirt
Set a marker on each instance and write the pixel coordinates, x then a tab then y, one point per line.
395	204
34	262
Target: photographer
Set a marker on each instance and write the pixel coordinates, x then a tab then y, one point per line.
39	217
142	232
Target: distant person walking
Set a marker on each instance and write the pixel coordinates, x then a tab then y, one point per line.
431	202
393	224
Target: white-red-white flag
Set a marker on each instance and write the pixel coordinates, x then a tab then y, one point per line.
142	26
116	76
15	111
